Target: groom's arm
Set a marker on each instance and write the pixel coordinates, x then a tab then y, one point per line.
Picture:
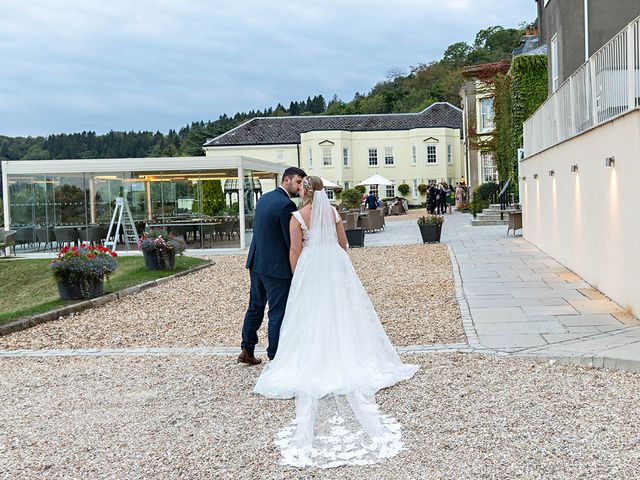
285	218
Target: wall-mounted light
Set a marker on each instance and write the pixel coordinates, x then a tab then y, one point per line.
610	161
552	173
523	179
574	168
535	176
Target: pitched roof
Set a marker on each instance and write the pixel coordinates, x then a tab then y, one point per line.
287	130
486	70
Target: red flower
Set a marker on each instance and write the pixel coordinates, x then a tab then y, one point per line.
75	253
91	255
114	254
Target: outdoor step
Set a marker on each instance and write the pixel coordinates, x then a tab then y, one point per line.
493	216
476	222
496	206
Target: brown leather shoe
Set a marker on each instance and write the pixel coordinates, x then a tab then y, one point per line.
244	357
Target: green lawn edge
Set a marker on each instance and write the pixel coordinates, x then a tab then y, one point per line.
28	288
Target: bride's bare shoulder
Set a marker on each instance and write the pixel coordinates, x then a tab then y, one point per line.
306	213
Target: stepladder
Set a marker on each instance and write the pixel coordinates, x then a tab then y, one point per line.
121	218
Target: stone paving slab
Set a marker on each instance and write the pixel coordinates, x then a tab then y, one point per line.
521	301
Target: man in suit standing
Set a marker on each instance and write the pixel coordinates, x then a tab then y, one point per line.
268	264
432	196
372	201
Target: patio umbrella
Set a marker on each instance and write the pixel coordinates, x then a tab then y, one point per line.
329	183
376	180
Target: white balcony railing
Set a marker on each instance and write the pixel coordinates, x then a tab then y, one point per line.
604	87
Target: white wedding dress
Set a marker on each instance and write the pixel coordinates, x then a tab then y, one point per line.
333	356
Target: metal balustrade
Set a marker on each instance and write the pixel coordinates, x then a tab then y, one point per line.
604	87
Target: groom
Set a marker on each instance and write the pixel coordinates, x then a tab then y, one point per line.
268	264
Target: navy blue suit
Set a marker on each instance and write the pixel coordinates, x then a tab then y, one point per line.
269	267
372	202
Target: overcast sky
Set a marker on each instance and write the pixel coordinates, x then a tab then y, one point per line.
74	65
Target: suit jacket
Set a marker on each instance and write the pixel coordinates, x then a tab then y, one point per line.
372	203
269	251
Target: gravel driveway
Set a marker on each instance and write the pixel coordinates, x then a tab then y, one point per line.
464	416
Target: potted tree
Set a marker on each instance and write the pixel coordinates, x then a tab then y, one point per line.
351	200
80	271
430	228
159	249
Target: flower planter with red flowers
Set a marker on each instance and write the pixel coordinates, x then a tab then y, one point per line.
80	271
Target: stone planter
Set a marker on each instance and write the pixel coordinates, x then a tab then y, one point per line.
158	261
93	287
355	238
430	233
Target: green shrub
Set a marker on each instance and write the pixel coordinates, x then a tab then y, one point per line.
486	191
404	189
482	197
351	198
362	189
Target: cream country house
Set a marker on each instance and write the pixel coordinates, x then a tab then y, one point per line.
411	148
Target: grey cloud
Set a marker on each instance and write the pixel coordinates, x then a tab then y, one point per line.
70	65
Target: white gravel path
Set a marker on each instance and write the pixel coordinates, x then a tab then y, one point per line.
464	416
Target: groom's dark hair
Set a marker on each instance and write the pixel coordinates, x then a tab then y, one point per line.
292	172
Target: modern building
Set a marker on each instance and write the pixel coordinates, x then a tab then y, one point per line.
53	200
411	148
574	30
578	178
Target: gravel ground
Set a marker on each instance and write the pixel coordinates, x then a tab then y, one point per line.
206	308
464	416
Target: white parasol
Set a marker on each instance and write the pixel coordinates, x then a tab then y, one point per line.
376	180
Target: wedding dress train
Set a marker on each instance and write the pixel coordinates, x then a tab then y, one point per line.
333	356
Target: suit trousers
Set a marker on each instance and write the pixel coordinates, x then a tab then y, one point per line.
271	290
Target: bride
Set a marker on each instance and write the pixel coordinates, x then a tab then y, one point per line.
333	354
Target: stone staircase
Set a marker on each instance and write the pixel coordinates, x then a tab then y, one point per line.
491	215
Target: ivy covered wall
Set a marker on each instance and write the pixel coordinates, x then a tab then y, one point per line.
517	95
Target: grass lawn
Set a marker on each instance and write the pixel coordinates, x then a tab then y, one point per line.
27	287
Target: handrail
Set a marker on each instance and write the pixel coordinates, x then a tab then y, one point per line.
606	86
502	196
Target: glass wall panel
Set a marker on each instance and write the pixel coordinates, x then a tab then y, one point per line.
22	208
70	200
135	192
103	190
21	200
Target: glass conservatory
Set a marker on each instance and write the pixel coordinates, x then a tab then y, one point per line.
209	201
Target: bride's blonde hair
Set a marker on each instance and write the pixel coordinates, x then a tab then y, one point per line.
310	184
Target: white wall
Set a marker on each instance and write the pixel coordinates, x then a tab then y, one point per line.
590	220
